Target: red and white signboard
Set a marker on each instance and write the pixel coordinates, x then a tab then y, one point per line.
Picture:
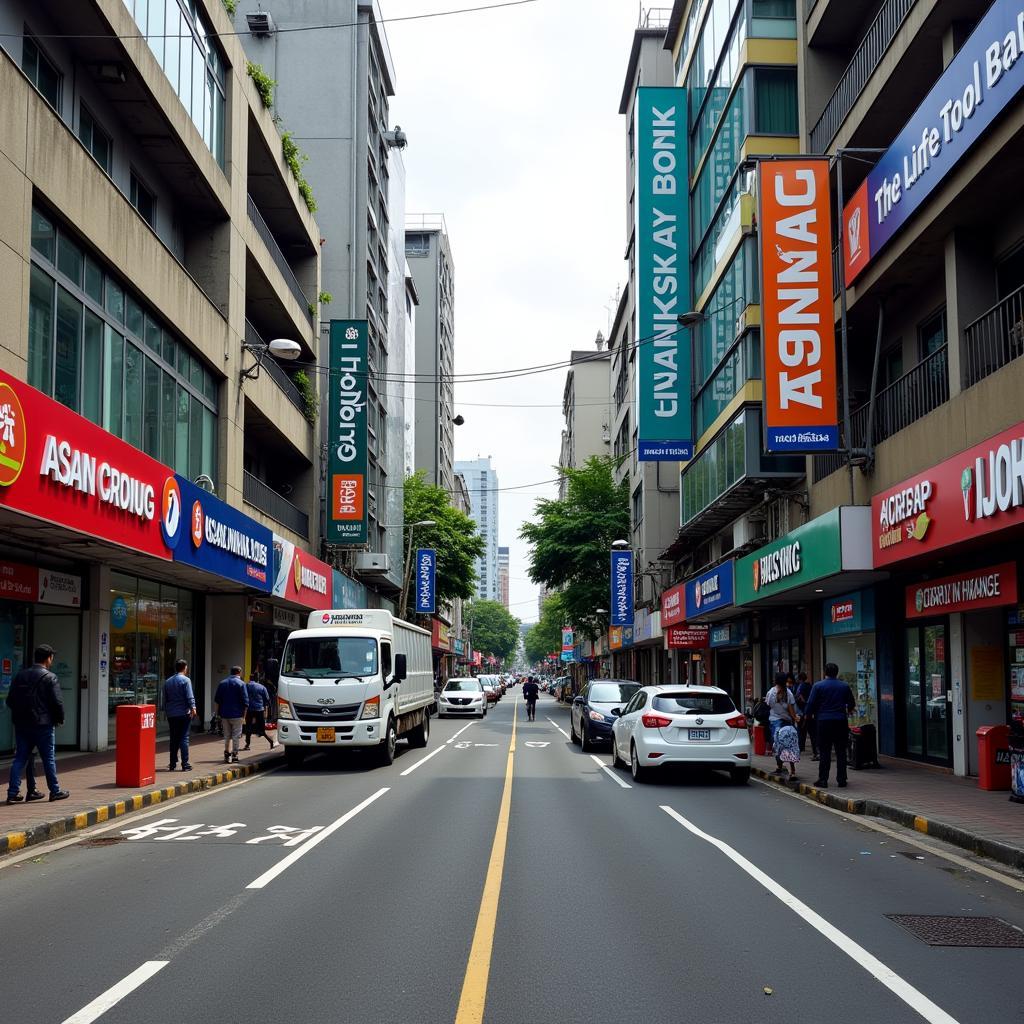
688	638
842	611
59	467
973	494
673	606
991	587
39	586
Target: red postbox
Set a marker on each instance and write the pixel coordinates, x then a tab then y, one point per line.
136	745
761	743
994	757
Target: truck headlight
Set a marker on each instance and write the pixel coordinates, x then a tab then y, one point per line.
371	709
284	708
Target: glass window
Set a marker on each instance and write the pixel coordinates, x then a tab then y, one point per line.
151	410
142	199
93	281
113	381
209	443
69	259
133	394
135	318
932	333
327	657
169	347
176	32
167	422
195	434
42	72
92	368
95	139
68	350
775	99
40	331
693	703
181	433
612	693
115	300
44	236
154	336
156	29
892	365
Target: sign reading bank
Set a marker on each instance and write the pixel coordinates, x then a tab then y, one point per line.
985	75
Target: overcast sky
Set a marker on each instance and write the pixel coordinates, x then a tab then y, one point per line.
515	136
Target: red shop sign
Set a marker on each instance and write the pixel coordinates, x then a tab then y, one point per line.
672	605
309	581
19	582
966	591
978	492
688	638
59	467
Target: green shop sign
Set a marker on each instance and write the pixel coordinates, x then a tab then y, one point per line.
346	433
836	542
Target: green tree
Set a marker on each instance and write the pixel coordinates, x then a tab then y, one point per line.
493	629
546	636
570	539
454	537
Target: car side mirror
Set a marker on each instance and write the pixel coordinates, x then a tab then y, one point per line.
617	712
400	666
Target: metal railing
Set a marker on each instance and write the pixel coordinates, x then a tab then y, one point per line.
655	17
872	47
914	395
995	338
274	368
262	496
277	256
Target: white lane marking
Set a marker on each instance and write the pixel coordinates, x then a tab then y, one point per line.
422	760
916	1000
609	772
538	743
286	862
459	733
116	993
558	727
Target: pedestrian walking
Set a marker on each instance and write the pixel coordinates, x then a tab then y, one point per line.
256	713
786	747
36	710
781	711
180	709
530	693
271	677
830	703
806	726
230	702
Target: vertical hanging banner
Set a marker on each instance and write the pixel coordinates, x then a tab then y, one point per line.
426	581
346	433
664	411
568	643
622	588
798	326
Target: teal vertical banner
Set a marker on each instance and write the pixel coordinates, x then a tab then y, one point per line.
346	433
663	357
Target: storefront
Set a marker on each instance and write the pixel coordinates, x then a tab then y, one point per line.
687	647
848	631
710	599
441	644
647	647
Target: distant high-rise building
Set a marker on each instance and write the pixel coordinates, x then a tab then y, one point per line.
587	407
503	576
482	484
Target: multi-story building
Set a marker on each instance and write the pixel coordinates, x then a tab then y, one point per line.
482	485
587	408
430	258
332	96
159	469
503	569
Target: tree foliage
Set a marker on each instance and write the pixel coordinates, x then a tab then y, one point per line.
454	537
570	539
493	629
545	637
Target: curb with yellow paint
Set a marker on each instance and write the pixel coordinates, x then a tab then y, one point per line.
44	831
1004	853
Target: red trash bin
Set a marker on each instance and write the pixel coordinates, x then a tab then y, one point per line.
761	744
136	745
993	757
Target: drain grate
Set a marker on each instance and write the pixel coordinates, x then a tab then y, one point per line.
939	930
101	841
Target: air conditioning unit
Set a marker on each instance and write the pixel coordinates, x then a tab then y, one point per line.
260	23
372	562
747	529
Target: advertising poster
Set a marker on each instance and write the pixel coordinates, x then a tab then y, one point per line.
426	580
346	433
622	588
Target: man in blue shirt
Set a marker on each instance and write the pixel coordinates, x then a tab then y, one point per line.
830	702
180	708
256	717
230	702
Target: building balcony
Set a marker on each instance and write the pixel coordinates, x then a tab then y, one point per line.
262	496
277	256
275	370
994	339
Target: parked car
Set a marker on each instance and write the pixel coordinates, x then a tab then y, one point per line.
494	681
681	725
462	697
591	718
490	689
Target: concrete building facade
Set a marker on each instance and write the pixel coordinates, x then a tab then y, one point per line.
482	486
503	570
587	408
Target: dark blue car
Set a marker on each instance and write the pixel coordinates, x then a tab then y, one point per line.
590	719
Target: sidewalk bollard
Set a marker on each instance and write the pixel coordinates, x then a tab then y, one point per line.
136	745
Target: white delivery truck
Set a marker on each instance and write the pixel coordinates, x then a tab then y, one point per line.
354	678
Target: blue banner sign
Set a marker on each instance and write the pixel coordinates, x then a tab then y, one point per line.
664	407
730	634
622	588
212	535
986	74
712	589
426	580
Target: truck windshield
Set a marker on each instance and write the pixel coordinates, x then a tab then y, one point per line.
329	656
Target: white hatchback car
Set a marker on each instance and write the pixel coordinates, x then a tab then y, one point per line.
462	697
681	725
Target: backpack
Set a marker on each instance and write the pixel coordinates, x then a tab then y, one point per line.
761	711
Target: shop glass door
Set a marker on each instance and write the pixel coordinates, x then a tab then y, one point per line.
62	631
13	656
926	707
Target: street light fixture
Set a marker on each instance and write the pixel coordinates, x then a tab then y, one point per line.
620	545
412	527
280	348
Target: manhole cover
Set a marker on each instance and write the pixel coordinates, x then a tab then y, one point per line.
939	930
102	841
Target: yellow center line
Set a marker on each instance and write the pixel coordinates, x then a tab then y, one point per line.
478	969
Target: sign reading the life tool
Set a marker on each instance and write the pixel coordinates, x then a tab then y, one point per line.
664	416
796	303
985	75
426	580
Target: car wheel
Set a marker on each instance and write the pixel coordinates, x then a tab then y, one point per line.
294	756
585	745
617	761
386	750
420	736
639	774
739	776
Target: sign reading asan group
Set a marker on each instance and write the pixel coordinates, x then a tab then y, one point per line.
664	414
984	76
346	433
798	325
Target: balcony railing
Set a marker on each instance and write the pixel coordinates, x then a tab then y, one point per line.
872	47
903	402
280	509
277	256
273	367
995	338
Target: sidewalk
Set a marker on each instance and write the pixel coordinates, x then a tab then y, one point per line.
95	797
922	798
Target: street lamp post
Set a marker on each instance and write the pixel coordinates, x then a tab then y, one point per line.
407	576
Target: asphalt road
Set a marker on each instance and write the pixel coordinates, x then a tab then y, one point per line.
479	884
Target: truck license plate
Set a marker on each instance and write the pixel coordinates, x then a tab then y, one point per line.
698	734
325	734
